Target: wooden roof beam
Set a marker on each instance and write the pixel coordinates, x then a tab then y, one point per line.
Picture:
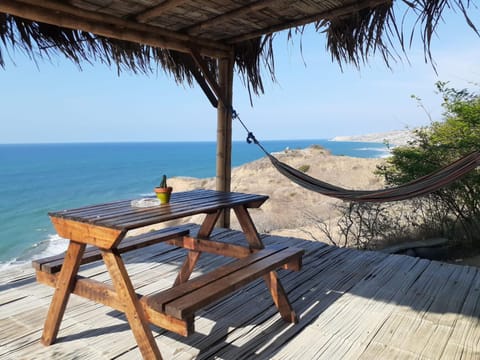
256	6
63	15
325	15
158	10
210	78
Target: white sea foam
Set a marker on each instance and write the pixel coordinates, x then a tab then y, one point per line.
383	152
53	245
370	149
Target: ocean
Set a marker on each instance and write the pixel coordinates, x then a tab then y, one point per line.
38	178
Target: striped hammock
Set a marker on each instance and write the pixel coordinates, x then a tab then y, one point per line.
421	186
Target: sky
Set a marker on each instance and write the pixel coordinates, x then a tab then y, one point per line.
313	98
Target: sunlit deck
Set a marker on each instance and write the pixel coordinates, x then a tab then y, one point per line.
351	304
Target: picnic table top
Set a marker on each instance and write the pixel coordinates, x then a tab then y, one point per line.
123	216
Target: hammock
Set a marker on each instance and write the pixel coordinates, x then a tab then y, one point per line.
421	186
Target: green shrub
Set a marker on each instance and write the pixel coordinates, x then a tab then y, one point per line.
452	212
455	209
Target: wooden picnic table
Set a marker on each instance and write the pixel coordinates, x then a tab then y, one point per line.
104	227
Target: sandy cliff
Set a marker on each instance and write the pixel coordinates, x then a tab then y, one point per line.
291	209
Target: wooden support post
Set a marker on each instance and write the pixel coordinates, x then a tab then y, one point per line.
224	133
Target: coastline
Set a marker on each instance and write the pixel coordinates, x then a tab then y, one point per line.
256	176
392	138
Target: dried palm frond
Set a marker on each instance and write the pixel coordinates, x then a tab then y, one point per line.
356	37
39	40
351	38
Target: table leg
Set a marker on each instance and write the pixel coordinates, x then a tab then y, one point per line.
133	310
280	297
63	288
192	257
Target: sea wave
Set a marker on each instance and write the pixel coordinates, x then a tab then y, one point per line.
53	245
370	149
383	152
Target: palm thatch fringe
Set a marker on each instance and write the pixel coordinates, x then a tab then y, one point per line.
351	38
356	37
39	40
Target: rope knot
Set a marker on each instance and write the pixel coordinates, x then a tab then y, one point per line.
234	113
251	138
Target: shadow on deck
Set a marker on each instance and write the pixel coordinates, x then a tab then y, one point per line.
352	305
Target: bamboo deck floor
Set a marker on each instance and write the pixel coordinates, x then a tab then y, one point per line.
352	305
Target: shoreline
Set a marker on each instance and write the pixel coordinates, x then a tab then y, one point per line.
392	138
257	176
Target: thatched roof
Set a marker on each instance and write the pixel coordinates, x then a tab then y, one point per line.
140	35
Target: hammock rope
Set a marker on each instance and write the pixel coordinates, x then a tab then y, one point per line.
418	187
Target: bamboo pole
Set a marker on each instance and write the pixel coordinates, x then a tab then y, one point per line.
224	133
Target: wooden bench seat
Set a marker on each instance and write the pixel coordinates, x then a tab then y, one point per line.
53	264
183	300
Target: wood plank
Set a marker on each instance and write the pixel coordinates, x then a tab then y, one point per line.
133	310
359	304
91	212
158	301
64	287
88	288
414	244
248	227
223	202
53	264
101	237
208	224
187	267
212	247
407	328
124	205
325	278
105	294
376	303
101	212
463	340
279	297
195	202
224	284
